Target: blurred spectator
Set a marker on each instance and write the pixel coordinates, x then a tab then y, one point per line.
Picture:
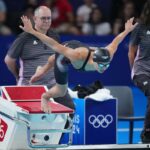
15	5
117	26
83	12
124	14
4	30
62	15
128	10
15	10
96	24
33	3
29	11
30	7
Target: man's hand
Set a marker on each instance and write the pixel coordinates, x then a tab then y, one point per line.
38	74
27	26
129	26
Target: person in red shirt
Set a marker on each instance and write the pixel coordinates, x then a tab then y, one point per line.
62	15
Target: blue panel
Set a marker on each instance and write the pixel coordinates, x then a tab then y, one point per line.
78	128
100	122
78	125
6	78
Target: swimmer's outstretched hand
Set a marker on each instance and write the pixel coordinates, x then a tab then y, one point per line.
27	25
129	25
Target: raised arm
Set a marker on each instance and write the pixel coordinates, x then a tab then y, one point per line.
42	70
68	52
129	26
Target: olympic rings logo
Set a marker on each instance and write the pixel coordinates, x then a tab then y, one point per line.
100	120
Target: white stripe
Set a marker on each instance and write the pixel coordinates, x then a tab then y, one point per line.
127	129
20	72
109	146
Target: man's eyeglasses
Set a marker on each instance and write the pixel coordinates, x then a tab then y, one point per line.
45	18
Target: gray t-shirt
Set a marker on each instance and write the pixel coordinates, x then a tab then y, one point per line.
31	53
141	37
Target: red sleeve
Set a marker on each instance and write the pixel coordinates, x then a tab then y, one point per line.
67	6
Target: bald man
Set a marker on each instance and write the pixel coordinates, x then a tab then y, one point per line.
32	52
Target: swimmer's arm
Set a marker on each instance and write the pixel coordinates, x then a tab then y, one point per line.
129	26
42	70
68	52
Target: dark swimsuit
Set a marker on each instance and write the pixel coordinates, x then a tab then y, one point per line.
62	63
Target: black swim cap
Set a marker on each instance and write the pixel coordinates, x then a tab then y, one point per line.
101	55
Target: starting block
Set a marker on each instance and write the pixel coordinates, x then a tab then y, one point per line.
24	126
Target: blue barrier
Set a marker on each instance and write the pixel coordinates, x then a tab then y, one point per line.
95	122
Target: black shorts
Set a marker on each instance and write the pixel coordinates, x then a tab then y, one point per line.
60	70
